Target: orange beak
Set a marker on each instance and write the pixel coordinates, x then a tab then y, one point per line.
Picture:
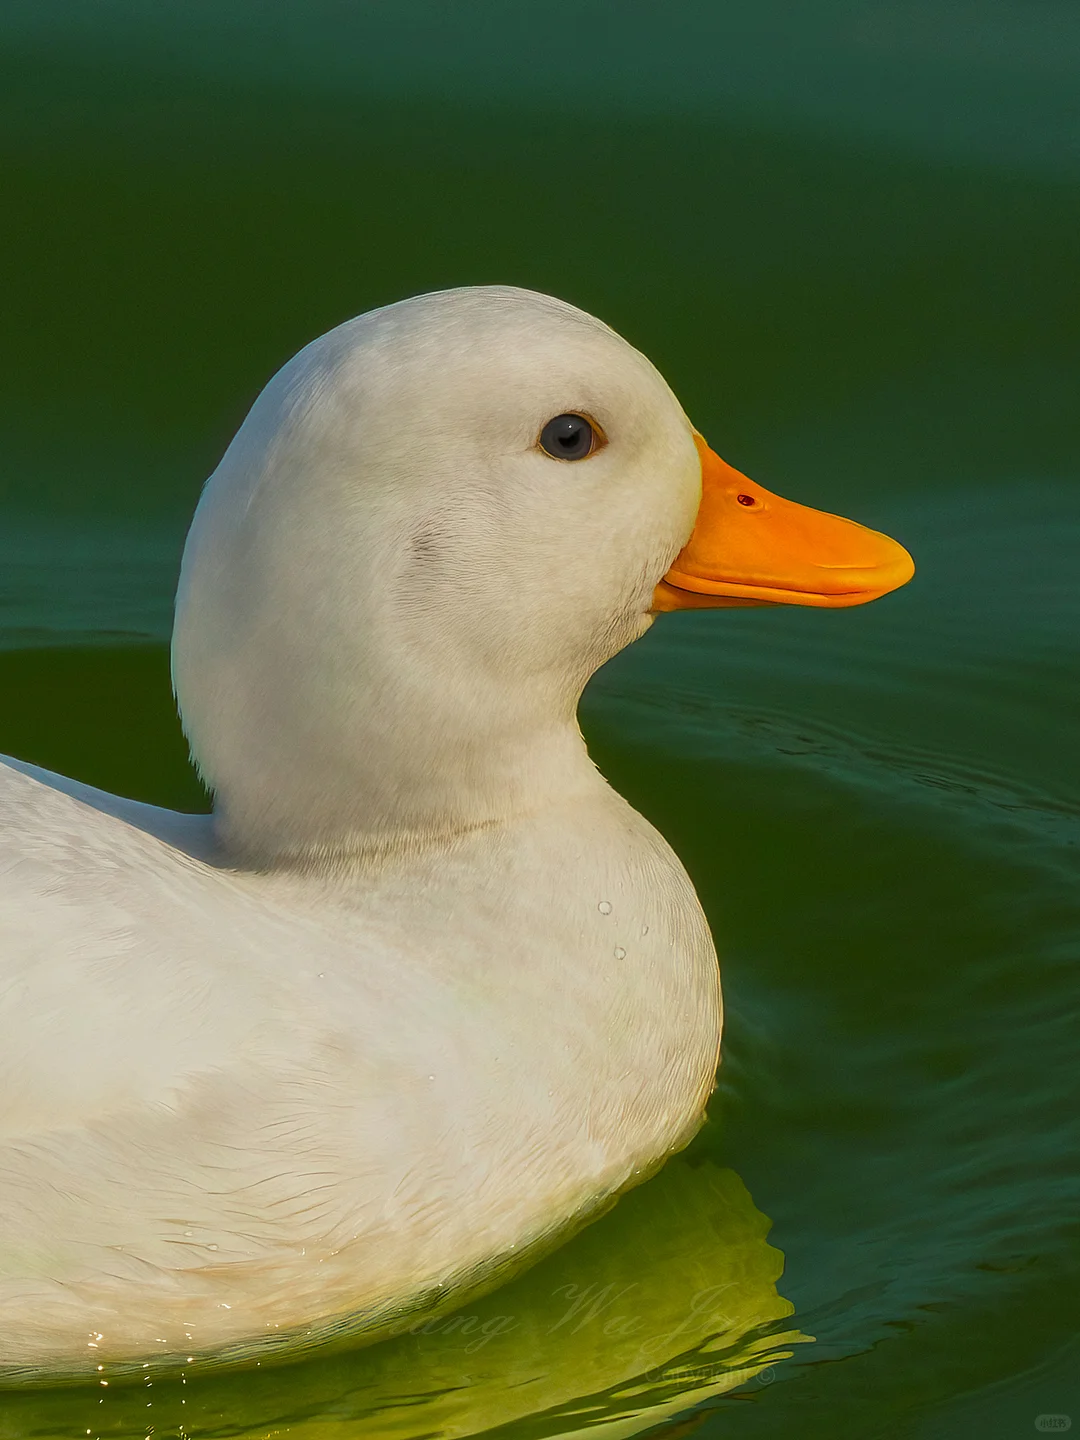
750	547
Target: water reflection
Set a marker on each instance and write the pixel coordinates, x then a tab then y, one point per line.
665	1304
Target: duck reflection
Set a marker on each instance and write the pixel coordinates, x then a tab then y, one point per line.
666	1303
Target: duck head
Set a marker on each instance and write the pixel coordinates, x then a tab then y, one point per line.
435	523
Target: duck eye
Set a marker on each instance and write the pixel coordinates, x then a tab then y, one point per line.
568	437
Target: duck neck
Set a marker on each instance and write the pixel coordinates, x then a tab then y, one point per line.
395	796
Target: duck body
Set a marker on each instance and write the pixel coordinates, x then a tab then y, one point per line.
423	992
213	1138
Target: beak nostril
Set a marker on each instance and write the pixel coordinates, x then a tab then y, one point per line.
746	500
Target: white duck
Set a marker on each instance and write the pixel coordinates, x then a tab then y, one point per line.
424	991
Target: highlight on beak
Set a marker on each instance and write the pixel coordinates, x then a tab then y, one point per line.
750	547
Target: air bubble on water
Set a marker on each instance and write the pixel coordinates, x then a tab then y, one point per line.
604	907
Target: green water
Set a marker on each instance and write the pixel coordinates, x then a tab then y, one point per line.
848	235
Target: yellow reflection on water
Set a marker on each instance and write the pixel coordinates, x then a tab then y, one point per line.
665	1304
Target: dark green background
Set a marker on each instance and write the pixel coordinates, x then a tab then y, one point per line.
848	235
